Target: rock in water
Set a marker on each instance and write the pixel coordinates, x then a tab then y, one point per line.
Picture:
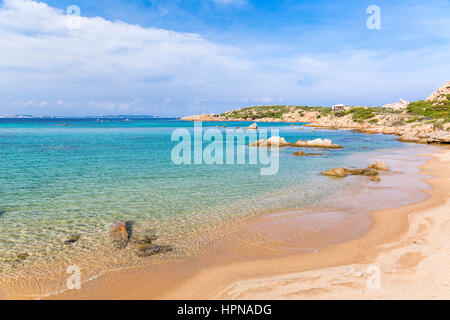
379	165
72	239
272	141
375	178
300	153
144	236
121	233
370	172
317	143
253	126
21	257
354	171
335	172
146	250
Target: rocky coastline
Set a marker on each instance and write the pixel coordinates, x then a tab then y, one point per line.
423	122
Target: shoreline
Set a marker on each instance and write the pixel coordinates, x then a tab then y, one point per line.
340	272
208	278
411	251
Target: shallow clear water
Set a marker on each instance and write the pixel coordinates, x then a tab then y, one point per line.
79	179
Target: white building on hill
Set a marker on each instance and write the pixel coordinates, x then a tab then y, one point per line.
339	107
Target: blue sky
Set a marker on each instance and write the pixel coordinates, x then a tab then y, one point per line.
178	57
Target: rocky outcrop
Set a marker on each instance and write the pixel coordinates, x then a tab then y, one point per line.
203	117
317	143
274	141
400	105
392	119
441	93
379	165
371	171
253	126
335	172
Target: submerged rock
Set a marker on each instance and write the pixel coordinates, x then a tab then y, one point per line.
375	178
379	165
146	249
144	236
300	153
21	257
73	238
121	233
253	126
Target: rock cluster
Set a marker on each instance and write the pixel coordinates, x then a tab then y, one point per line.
400	105
379	165
122	234
203	117
371	171
441	93
317	143
274	141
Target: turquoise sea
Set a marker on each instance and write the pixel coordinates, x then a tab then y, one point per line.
81	178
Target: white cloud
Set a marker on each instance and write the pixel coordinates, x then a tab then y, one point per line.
117	67
38	46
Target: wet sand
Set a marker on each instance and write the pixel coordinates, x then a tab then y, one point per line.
298	255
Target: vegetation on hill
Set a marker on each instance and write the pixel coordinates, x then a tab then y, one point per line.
431	109
436	112
361	114
274	112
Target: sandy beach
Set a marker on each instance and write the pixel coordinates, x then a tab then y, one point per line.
403	255
224	150
408	246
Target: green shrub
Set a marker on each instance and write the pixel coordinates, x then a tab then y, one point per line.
361	114
430	109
